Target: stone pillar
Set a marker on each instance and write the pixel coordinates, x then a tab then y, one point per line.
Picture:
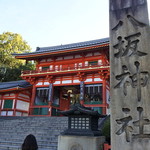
130	75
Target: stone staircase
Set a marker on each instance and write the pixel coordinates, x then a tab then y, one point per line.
13	131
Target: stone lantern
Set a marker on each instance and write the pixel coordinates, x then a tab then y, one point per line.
82	121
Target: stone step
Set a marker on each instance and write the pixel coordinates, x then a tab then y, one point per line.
13	131
40	143
43	139
12	147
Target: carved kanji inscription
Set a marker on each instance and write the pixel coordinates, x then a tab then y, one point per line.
137	80
128	46
125	127
140	124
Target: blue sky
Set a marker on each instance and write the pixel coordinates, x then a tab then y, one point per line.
53	22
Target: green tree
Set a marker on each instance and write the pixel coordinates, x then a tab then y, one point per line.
13	74
12	43
10	68
106	129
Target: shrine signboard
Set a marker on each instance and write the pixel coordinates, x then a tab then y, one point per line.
130	75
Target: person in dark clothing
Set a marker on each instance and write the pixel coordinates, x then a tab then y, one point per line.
30	143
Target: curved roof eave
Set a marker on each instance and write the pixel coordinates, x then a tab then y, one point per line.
14	85
43	51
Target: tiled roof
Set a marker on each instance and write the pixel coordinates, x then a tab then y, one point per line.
68	46
14	84
73	45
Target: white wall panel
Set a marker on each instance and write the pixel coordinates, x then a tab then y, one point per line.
23	95
68	57
10	113
18	113
76	81
56	82
46	83
3	113
40	83
88	80
67	81
97	79
22	105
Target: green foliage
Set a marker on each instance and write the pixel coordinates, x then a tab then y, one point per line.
2	73
106	129
13	74
11	43
10	68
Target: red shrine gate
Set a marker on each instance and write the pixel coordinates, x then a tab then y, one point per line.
68	74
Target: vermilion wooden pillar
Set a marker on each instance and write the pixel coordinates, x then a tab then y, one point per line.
15	104
2	100
32	99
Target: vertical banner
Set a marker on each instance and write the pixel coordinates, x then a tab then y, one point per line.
50	97
81	90
130	75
